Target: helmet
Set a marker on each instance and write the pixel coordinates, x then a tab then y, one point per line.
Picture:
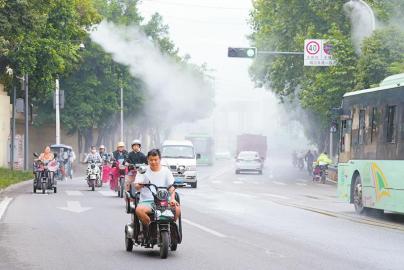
120	144
101	146
136	142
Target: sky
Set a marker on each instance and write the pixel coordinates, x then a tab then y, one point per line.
204	29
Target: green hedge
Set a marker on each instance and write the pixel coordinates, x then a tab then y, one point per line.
8	177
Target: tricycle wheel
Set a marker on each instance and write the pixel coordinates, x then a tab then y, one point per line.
128	244
165	242
173	246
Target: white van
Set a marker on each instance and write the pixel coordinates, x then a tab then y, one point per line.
180	158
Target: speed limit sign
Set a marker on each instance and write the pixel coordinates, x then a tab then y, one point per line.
318	52
312	47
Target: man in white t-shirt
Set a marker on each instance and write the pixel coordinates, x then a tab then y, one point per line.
160	176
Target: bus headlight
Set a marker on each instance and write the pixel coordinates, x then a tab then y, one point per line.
191	168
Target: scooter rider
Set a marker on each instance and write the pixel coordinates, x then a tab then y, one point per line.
105	156
160	176
46	156
93	156
323	159
120	153
135	157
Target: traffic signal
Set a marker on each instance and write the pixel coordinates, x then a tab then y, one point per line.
242	52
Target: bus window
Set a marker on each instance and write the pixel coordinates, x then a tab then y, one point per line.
373	125
401	125
362	126
343	132
391	127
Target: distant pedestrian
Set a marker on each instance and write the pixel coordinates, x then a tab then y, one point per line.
309	158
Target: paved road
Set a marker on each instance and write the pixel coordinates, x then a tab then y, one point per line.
279	220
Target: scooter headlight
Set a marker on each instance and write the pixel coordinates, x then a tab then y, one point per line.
162	194
191	168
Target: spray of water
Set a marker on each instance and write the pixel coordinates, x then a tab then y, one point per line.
363	21
175	93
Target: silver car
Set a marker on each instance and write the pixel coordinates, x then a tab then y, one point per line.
249	161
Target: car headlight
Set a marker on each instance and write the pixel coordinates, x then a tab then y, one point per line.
191	168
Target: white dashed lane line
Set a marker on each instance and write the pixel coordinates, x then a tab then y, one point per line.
108	193
301	184
3	205
203	228
279	183
74	193
276	196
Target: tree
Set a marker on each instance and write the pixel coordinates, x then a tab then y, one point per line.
42	38
282	25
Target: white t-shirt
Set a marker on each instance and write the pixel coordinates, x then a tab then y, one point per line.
162	178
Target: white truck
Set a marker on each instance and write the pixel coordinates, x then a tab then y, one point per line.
180	157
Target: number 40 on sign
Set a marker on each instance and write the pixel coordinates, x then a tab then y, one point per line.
318	52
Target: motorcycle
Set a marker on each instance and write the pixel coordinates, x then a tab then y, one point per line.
44	175
106	170
118	176
320	173
134	169
310	168
60	172
93	175
300	163
163	230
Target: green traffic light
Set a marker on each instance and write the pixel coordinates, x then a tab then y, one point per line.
250	52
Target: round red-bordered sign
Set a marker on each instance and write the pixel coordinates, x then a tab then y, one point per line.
328	48
312	47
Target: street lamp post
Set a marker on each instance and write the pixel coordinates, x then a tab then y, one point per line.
26	141
13	130
121	113
57	108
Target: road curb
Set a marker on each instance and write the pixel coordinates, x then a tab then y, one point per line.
15	186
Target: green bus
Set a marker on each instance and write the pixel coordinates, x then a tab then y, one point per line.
371	147
203	145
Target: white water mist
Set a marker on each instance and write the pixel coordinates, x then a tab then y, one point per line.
175	93
363	21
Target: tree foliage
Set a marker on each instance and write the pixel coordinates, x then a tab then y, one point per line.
283	25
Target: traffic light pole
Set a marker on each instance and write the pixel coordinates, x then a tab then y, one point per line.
252	52
275	52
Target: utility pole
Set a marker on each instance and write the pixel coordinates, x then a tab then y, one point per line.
57	107
26	141
121	113
13	130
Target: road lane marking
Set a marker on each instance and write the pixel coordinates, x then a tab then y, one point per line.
302	180
74	193
203	228
75	207
279	183
301	184
238	182
216	182
107	193
276	196
3	205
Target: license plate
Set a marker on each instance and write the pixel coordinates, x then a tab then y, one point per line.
179	180
93	177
